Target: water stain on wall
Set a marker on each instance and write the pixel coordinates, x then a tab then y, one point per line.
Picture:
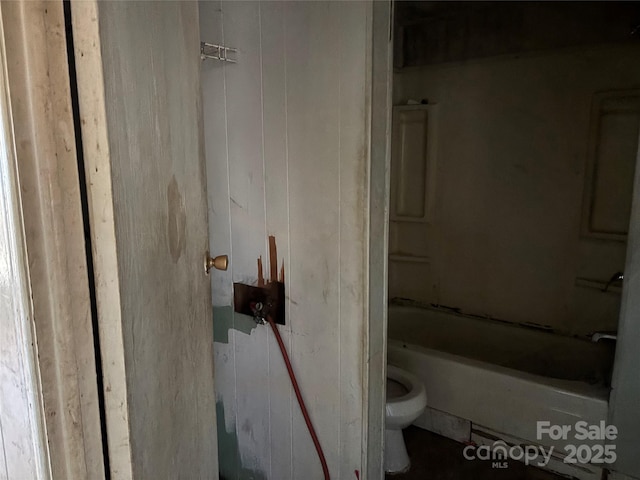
224	319
176	220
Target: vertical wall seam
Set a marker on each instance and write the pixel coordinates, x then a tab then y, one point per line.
233	319
4	451
340	234
288	267
266	234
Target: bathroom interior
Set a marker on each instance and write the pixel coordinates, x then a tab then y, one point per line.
514	144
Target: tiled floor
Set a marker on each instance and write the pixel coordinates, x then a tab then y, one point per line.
437	458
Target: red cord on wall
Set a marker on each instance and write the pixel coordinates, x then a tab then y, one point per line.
296	389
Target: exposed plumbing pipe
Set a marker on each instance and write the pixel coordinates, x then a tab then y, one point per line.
296	389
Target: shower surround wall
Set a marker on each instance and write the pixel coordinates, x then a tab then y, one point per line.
508	148
287	140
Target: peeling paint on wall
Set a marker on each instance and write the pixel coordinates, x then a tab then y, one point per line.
229	454
224	319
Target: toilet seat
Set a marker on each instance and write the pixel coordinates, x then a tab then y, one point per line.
415	398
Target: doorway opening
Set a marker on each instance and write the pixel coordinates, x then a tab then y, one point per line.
515	135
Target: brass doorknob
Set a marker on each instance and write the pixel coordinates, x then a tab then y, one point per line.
221	262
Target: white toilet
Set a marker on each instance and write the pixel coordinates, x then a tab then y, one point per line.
406	400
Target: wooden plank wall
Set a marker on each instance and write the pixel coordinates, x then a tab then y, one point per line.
287	146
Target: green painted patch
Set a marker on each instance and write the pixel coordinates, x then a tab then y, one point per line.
229	454
224	319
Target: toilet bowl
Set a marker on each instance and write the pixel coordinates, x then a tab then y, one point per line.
406	400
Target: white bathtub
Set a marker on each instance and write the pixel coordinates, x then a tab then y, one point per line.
487	379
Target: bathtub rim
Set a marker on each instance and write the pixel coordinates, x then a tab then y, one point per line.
572	387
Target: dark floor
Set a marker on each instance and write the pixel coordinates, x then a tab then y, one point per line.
437	458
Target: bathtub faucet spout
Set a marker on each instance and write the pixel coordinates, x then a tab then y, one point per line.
617	277
596	337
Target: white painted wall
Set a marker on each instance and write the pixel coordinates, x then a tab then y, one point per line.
287	147
510	161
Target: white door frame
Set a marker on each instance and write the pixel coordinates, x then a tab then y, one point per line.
381	42
625	386
47	174
23	443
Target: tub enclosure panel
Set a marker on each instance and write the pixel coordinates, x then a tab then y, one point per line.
522	206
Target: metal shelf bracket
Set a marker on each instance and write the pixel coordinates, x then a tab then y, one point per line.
217	52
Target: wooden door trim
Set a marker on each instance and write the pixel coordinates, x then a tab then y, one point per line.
41	111
375	361
93	119
625	385
24	451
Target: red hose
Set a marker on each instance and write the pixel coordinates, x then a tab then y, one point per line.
296	389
